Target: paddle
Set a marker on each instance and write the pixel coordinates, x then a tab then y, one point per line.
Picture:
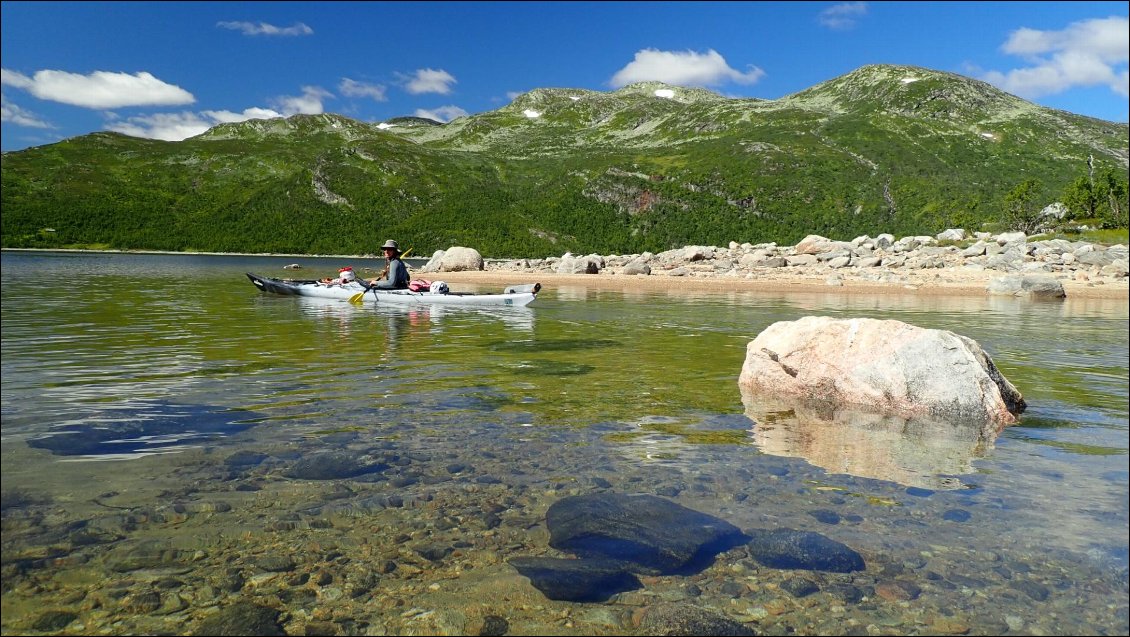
356	298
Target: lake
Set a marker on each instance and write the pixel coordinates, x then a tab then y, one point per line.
160	414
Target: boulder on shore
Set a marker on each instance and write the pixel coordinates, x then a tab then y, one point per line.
459	259
1034	286
888	366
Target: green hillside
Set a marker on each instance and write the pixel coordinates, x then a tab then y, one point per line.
648	167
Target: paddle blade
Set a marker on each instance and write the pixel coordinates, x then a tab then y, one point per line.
356	298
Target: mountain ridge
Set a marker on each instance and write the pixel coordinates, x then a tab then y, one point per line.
885	148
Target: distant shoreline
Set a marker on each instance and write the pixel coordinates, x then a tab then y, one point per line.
928	282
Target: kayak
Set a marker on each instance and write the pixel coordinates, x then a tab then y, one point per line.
519	295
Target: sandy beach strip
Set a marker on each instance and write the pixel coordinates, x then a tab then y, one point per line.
918	282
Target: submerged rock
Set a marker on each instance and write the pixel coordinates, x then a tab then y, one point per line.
803	550
685	619
242	618
333	465
616	535
654	535
583	580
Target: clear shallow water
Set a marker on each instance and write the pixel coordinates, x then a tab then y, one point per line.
131	384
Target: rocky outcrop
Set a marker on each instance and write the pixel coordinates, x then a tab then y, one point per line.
881	259
887	366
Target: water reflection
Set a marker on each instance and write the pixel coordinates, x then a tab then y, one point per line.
925	453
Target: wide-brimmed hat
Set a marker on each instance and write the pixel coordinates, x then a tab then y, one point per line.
391	244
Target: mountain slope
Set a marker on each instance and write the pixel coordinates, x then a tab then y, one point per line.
647	167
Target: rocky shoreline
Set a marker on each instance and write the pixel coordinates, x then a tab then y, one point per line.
927	265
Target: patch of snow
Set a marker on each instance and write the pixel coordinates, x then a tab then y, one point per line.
531	113
574	98
988	136
385	125
908	80
664	92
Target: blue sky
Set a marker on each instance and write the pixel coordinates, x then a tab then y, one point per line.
169	70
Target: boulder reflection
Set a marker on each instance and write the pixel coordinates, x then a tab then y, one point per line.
924	453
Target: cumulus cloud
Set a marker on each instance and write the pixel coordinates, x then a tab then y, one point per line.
686	68
262	28
14	114
353	88
170	127
842	16
230	117
441	114
174	127
100	89
309	103
1086	53
428	81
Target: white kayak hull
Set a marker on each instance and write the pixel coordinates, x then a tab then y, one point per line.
524	295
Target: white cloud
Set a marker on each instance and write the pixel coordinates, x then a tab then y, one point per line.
262	28
10	112
174	127
353	88
428	81
309	103
1086	53
441	114
18	80
1104	38
686	68
100	89
842	16
169	127
229	117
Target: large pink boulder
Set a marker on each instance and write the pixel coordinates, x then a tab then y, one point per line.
890	367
